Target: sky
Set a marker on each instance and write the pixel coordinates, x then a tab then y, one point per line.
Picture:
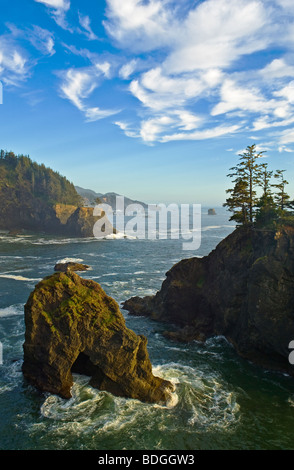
152	99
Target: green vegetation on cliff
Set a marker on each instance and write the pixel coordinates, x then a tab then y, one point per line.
33	196
73	326
20	176
255	200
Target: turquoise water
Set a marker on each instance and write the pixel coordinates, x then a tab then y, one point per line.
221	401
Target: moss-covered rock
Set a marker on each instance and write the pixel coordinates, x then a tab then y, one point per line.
72	325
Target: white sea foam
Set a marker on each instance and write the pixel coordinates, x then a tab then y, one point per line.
210	401
12	310
109	274
19	278
70	260
119	236
211	227
291	401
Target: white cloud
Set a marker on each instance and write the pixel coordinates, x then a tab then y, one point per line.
203	134
95	113
152	128
213	34
42	39
218	32
77	85
287	92
287	5
198	44
163	126
58	4
266	122
14	64
159	91
125	127
287	136
235	97
103	67
283	148
128	69
85	22
140	25
59	9
278	68
186	66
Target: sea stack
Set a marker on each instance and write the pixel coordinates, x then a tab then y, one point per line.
73	326
211	212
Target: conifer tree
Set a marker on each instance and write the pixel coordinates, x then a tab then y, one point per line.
281	197
266	214
248	175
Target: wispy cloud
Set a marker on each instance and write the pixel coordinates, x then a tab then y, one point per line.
58	10
196	48
185	67
42	39
85	23
78	84
14	63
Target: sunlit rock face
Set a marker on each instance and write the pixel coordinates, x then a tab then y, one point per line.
72	325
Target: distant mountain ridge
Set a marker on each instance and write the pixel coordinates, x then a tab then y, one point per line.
90	198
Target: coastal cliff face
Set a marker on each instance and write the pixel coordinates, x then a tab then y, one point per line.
243	290
61	219
72	326
38	199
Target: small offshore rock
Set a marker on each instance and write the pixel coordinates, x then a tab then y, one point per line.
211	212
70	266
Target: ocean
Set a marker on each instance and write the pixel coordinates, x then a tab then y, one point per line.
221	401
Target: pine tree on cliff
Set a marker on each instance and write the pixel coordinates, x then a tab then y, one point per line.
247	176
281	197
267	213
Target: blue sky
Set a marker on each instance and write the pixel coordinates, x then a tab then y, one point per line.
153	99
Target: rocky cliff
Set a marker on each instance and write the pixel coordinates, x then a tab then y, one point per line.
243	290
38	199
73	326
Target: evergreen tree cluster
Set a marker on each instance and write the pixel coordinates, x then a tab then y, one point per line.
259	196
23	179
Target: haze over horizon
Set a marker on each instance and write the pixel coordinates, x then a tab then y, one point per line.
150	99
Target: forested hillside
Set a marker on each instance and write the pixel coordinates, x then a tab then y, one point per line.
36	198
20	178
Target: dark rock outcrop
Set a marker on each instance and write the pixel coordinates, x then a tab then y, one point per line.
70	266
211	212
243	290
73	326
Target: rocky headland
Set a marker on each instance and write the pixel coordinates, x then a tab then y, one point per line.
35	198
73	326
243	290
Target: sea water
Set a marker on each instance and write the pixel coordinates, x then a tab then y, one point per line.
220	402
